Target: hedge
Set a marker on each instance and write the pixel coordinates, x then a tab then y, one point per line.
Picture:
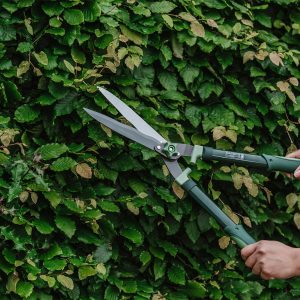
86	214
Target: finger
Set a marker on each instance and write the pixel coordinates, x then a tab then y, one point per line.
265	276
257	268
297	173
248	250
295	154
251	260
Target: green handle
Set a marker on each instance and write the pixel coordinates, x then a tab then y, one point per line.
268	162
237	232
279	163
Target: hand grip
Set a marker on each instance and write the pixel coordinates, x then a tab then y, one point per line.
268	162
237	232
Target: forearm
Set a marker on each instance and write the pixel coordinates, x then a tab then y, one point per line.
296	259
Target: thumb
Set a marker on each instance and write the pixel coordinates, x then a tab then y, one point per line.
297	173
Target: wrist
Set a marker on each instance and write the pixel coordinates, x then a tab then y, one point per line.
296	260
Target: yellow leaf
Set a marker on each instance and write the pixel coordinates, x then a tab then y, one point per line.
237	180
49	279
28	26
158	296
168	20
212	23
297	220
247	22
225	169
275	59
129	62
131	35
165	170
249	149
66	281
101	269
111	66
34	197
122	52
23	196
143	195
218	132
249	55
84	170
232	135
291	95
283	86
197	29
135	210
224	242
23	68
247	221
69	66
187	17
234	217
244	170
291	199
178	190
294	81
107	130
268	193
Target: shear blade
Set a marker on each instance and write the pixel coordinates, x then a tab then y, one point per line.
124	130
131	116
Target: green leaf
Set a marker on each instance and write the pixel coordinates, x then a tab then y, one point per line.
73	16
50	151
131	35
145	257
111	293
189	74
24	289
42	58
43	226
77	55
109	206
133	235
193	115
176	274
168	80
159	269
162	7
195	289
103	253
7	33
25	113
86	271
66	225
24	47
63	164
192	231
55	264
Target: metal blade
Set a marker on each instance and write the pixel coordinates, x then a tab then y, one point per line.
124	130
131	116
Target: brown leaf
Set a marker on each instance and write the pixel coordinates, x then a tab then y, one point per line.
283	86
218	132
247	22
84	170
232	135
294	81
249	55
178	190
261	55
275	59
291	95
135	210
197	29
212	23
237	180
187	17
250	185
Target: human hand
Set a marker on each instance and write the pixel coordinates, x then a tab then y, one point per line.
271	259
295	154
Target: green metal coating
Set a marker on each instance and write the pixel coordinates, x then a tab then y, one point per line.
240	235
197	152
170	150
183	177
279	163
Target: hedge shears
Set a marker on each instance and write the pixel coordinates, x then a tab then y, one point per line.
144	134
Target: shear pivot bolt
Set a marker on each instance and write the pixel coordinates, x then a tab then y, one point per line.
158	147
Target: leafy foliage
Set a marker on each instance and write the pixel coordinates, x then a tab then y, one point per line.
85	214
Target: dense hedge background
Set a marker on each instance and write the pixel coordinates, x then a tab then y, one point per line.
85	214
